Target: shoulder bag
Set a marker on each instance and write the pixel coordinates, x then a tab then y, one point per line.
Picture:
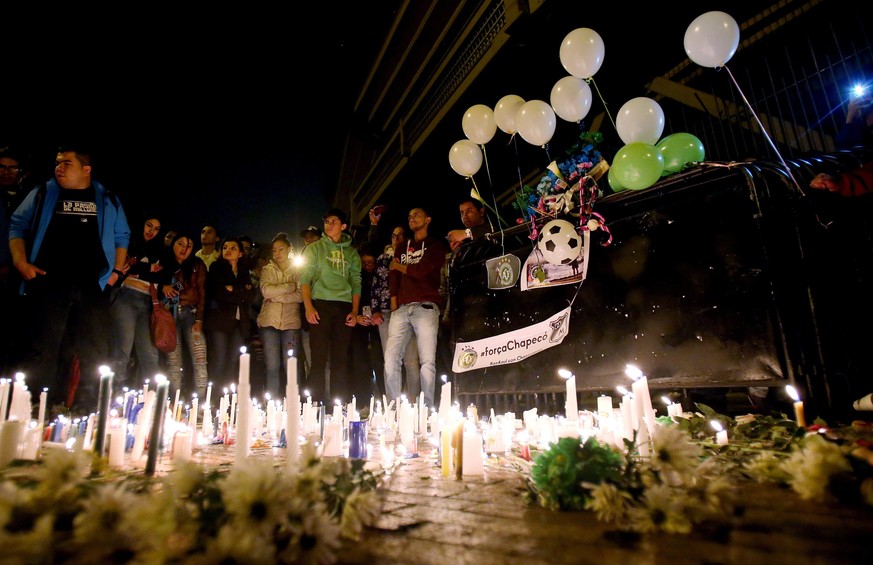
163	325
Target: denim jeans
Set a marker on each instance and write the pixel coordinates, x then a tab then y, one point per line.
224	351
421	320
131	317
276	346
195	345
410	358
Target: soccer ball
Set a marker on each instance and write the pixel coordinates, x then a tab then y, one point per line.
559	242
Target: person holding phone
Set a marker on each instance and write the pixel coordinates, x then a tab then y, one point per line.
858	129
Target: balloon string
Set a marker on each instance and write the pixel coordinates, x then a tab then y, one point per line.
602	101
522	205
487	168
766	135
548	157
475	194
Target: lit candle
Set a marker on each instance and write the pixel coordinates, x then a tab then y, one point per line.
292	411
642	397
104	396
192	418
243	429
233	406
570	406
43	397
4	398
604	405
155	438
177	404
799	414
142	424
721	437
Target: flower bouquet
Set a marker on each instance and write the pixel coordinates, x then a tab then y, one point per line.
567	188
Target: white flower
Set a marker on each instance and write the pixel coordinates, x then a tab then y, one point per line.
812	466
767	467
360	509
34	545
98	530
661	510
255	494
674	454
609	503
233	544
313	538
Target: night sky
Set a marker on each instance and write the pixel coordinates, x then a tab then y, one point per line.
235	118
238	118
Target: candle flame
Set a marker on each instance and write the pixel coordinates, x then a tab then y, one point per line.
243	350
666	400
564	373
445	378
104	370
716	425
290	353
633	372
623	391
160	379
792	392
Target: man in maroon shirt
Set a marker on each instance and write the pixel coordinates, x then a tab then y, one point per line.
414	285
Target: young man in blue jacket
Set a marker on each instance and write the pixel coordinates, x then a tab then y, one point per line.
68	239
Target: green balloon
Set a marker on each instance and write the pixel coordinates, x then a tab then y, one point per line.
638	165
679	149
613	182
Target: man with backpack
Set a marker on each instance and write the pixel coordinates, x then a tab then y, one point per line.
68	240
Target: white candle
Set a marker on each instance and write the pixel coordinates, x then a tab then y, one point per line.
117	440
472	454
4	398
43	397
11	433
292	413
192	417
176	403
143	418
721	437
333	439
182	446
604	405
570	406
243	429
207	404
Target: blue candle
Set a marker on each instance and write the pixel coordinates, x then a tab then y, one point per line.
103	399
157	423
358	439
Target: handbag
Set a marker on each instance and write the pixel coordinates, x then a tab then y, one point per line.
163	325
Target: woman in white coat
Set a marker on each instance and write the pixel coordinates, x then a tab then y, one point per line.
279	319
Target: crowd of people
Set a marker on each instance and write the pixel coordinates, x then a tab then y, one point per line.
81	279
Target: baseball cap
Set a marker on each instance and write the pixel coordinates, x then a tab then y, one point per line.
338	213
310	229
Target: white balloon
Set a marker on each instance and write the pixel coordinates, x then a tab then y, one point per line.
571	98
640	120
465	157
478	124
505	111
582	52
712	39
536	122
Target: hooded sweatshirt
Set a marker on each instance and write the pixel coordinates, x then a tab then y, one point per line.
332	270
282	297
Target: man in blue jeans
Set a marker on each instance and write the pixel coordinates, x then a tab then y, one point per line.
414	284
68	239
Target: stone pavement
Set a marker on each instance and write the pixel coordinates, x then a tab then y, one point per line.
431	519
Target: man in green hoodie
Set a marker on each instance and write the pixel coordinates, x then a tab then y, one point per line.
331	287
